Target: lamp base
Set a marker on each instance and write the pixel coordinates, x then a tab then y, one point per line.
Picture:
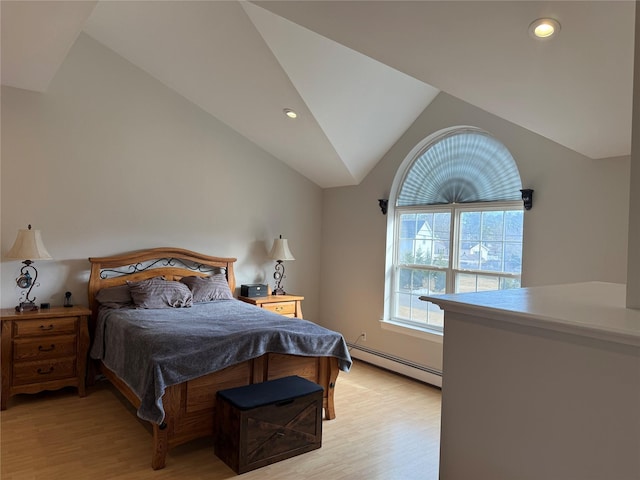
279	291
26	307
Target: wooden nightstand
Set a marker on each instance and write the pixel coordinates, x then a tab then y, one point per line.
287	305
43	350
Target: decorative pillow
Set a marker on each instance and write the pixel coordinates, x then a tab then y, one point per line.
115	297
159	293
206	289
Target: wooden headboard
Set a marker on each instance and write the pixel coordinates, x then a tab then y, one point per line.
172	263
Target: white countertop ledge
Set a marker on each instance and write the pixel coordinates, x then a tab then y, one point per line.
592	309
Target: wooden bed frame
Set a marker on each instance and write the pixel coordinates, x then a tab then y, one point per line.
189	406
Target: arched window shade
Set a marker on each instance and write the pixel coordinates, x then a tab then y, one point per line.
461	166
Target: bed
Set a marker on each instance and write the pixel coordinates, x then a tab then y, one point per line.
170	362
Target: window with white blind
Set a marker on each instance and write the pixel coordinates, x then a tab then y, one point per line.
455	224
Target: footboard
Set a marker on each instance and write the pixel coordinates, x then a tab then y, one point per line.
189	406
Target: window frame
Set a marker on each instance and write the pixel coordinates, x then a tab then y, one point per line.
453	270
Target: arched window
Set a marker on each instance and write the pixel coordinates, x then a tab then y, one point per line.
455	224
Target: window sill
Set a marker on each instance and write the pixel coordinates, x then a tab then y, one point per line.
411	330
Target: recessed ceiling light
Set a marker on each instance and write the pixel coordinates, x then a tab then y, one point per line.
290	113
544	28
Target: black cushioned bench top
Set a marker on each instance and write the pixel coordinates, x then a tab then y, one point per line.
270	392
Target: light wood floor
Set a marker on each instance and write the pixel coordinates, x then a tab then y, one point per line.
387	428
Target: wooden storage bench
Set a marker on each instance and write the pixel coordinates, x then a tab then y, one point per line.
264	423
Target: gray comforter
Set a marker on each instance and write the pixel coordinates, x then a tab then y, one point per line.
152	349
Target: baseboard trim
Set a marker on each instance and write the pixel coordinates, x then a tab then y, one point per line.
396	364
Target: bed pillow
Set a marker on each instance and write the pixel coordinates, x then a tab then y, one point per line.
115	297
206	289
159	293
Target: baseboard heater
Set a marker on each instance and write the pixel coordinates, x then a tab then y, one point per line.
396	364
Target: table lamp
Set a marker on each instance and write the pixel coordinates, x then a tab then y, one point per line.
28	245
280	252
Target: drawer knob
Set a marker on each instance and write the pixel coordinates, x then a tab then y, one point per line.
45	327
45	372
46	349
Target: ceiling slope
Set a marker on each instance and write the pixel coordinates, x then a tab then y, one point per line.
362	105
35	39
575	89
210	53
357	72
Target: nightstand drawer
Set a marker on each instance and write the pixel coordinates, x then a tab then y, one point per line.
285	305
38	372
47	347
46	326
283	308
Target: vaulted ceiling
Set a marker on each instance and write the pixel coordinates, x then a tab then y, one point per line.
358	73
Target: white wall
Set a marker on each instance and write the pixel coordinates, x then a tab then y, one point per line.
110	160
576	231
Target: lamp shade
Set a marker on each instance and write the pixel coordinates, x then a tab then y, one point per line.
280	250
28	246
